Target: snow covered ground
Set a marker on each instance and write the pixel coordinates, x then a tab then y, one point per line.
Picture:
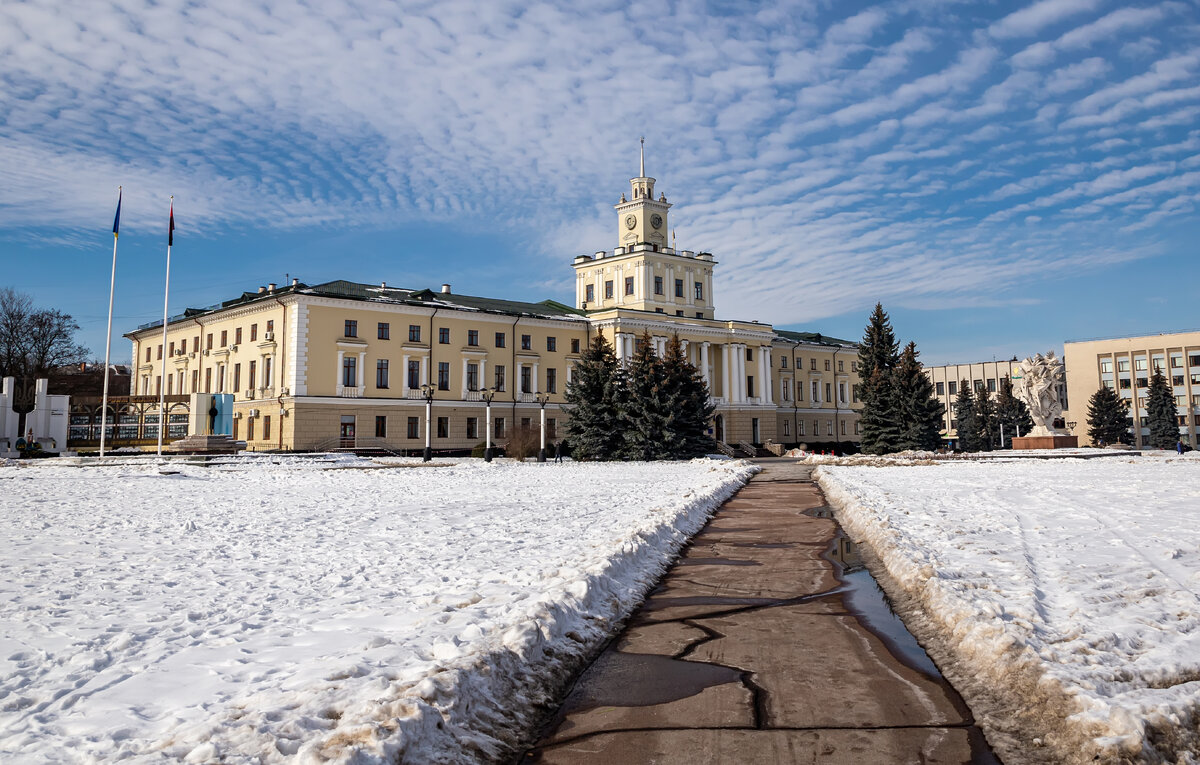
1062	597
277	608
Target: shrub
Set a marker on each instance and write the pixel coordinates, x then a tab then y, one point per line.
524	442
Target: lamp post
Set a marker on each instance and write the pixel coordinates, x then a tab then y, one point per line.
542	399
487	394
427	392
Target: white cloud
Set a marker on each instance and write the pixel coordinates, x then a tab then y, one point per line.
1033	18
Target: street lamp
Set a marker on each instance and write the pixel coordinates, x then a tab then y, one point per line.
487	394
427	392
542	399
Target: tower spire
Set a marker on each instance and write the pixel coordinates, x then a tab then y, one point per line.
643	175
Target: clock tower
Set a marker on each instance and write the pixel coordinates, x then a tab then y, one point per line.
642	219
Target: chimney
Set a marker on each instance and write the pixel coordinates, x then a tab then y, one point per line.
383	285
445	289
271	287
261	289
295	282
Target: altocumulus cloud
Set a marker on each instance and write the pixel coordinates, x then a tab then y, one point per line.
894	152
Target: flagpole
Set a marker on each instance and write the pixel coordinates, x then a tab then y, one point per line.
162	386
112	284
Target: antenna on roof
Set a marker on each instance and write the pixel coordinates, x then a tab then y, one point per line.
643	157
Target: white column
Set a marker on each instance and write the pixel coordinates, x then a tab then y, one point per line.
464	378
404	376
619	346
536	387
424	377
770	389
727	373
362	373
704	366
483	378
337	373
619	285
741	372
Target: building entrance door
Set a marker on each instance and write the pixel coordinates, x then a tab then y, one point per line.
754	438
719	427
346	434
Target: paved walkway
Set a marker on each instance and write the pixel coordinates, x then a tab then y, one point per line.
748	653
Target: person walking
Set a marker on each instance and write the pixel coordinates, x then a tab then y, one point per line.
558	451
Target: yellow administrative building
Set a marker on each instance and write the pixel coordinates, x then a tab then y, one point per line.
342	364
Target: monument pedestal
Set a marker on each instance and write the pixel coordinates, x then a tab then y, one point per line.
1045	442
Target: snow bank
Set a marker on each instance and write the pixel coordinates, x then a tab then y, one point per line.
1062	597
280	609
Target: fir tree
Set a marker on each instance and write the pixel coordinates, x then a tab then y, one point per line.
881	416
1161	414
1107	418
690	405
987	429
964	412
595	391
1012	416
647	422
919	407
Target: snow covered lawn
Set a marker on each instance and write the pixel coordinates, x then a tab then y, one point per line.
1061	596
259	610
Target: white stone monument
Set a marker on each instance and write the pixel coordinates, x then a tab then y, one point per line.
1038	381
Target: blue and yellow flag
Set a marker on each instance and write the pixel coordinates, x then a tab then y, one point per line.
117	220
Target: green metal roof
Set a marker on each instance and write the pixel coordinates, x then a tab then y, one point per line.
813	338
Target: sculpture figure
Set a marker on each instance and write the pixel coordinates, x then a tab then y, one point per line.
1039	386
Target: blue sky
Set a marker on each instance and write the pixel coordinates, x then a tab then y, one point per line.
1002	176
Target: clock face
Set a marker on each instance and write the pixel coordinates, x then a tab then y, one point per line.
630	221
656	220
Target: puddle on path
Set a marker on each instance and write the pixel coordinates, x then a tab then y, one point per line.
619	679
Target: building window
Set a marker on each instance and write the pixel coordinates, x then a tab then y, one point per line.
679	288
237	378
252	371
380	426
827	368
828	392
659	310
977	385
171	349
444	335
783	362
472	427
349	372
829	427
813	365
551	428
224	338
699	314
414	427
443	375
843	427
148	350
1106	365
500	339
857	428
414	333
270	325
658	285
785	389
384	331
1139	365
552	381
551	344
816	392
608	289
414	374
842	392
472	337
628	285
351	328
472	377
498	430
787	427
841	366
381	373
699	290
237	336
941	389
499	377
991	385
1176	361
443	427
208	380
250	429
526	379
526	342
575	345
208	343
266	427
750	385
525	423
589	293
749	354
953	388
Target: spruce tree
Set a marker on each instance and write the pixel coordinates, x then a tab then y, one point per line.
964	412
690	405
593	424
1160	413
1011	413
1107	418
920	409
647	421
987	429
881	416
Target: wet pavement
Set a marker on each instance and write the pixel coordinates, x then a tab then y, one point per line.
767	642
